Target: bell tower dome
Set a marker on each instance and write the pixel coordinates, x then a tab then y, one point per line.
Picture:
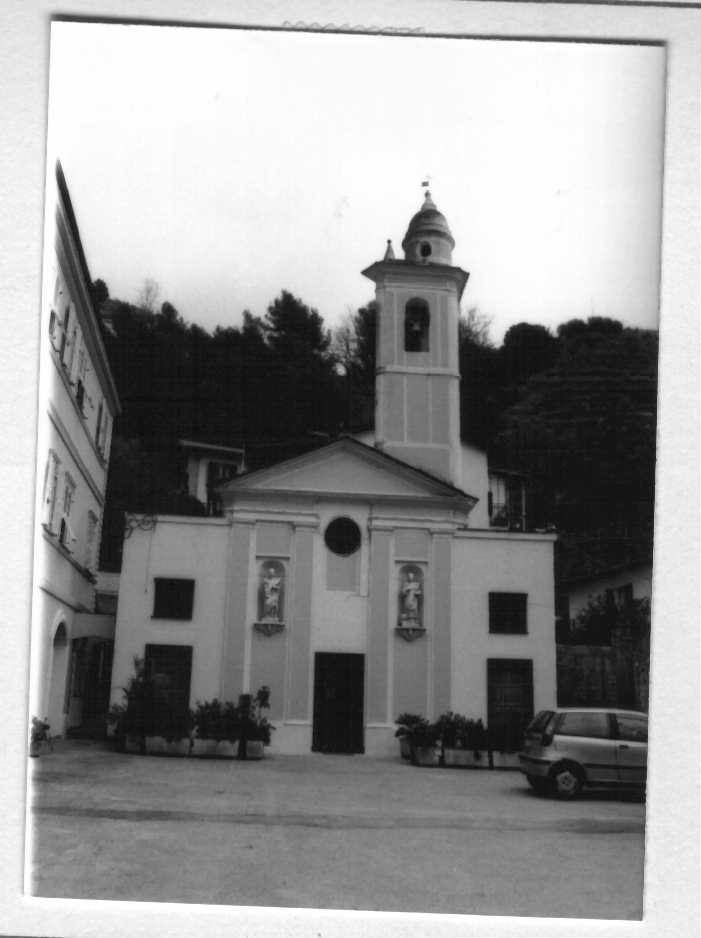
417	378
428	238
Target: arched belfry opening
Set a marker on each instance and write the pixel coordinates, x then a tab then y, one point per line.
417	321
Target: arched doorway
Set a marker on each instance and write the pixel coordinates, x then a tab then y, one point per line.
59	675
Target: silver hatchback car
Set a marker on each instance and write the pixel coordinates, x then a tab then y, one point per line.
567	749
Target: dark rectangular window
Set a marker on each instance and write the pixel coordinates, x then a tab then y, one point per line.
80	396
540	722
98	425
632	727
173	598
64	335
507	613
106	604
592	723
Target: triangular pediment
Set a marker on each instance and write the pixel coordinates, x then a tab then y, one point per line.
342	468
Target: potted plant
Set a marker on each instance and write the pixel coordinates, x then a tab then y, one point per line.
205	721
114	726
462	740
149	722
255	728
40	737
504	740
449	726
405	723
474	740
423	738
216	727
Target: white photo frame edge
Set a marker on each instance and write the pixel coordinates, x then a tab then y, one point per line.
671	903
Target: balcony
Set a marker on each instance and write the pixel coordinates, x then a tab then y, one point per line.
506	501
506	516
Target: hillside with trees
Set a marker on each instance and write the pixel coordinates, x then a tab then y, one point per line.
575	411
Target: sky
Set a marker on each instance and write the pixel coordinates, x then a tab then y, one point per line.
228	165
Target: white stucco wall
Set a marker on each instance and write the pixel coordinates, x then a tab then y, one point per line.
475	481
485	562
192	548
339	617
357	620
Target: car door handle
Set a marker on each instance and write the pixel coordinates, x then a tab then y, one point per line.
624	747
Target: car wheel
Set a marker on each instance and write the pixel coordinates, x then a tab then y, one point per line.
565	780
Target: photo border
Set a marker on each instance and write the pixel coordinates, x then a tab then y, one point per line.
672	835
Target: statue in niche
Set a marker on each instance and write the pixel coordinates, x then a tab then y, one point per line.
271	593
410	594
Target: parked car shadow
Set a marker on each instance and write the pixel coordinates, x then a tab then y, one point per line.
627	795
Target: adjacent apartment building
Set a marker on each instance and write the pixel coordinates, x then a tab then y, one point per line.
71	645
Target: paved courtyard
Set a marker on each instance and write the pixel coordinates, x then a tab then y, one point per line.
337	832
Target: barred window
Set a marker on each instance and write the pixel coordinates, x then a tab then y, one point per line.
173	598
507	613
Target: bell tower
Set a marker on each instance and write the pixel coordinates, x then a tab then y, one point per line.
417	378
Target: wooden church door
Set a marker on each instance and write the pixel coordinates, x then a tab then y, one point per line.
338	703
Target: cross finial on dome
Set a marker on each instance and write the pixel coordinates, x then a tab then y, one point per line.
428	201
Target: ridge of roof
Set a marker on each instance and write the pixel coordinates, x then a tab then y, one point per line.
374	452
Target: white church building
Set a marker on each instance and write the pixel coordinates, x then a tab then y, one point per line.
371	577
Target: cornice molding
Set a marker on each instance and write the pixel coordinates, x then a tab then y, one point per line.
486	534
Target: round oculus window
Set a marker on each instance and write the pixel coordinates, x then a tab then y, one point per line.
342	537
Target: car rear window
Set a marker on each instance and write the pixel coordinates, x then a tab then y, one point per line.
541	720
581	723
632	727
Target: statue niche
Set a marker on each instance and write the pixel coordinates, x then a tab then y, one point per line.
271	597
411	597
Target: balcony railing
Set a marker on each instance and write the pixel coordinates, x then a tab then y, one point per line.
506	516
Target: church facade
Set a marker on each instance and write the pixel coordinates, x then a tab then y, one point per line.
367	578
